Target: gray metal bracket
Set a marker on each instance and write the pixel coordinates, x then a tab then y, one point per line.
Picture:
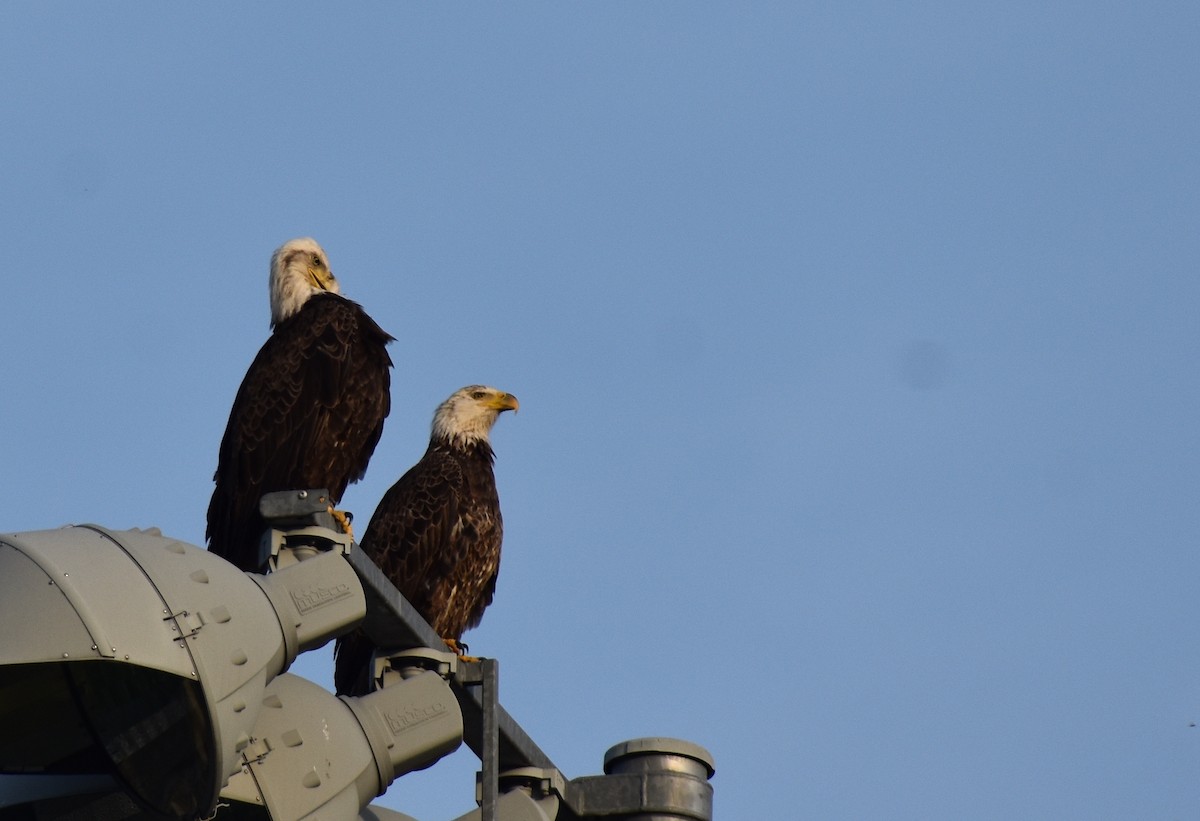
485	675
650	778
298	525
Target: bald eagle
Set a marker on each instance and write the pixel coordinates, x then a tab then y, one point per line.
436	533
310	409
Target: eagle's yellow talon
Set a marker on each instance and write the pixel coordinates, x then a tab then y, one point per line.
343	520
459	649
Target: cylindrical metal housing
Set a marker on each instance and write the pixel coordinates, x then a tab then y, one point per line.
648	779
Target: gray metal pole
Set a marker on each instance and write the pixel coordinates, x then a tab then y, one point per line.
490	756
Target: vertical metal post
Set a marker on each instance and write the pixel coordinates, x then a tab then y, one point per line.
490	755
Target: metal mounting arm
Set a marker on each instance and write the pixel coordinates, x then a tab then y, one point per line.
645	778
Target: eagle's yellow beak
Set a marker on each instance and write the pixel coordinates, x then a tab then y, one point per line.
321	277
503	402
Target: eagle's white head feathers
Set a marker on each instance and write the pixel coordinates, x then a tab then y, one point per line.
299	269
468	415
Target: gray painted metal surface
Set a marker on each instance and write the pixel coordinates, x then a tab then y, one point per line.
315	755
392	622
150	604
648	779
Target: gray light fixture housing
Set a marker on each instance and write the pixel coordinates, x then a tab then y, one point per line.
142	661
318	756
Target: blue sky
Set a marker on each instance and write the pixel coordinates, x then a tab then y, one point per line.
855	347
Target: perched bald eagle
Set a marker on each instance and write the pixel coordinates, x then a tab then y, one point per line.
436	533
310	409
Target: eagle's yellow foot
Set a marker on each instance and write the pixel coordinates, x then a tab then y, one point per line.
342	519
459	649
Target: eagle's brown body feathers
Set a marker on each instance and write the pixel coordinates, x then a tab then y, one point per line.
436	534
308	414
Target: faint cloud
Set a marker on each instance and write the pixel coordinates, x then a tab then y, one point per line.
924	365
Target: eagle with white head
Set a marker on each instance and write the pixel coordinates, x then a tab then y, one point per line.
437	531
311	407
